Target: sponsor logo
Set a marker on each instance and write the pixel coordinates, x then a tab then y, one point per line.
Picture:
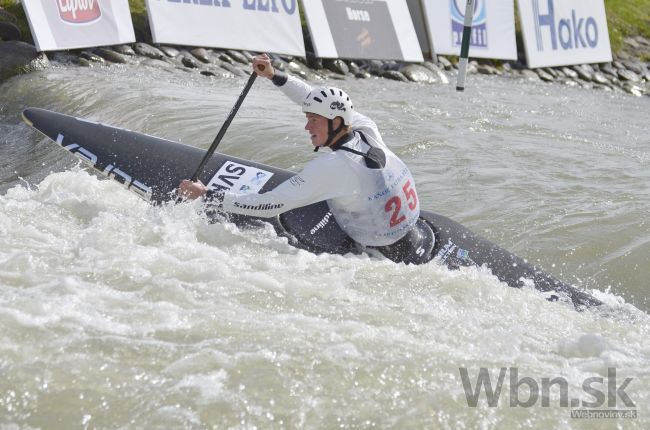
79	11
224	3
571	32
357	14
110	171
260	207
236	176
447	250
296	181
463	254
288	6
322	223
479	34
337	106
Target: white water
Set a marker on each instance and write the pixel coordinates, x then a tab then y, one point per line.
115	314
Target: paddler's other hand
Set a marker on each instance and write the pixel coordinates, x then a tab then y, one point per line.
192	190
262	66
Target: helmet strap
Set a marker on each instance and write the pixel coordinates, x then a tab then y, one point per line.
331	133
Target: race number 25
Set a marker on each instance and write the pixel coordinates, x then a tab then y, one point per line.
394	204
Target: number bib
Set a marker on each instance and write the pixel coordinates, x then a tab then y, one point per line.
385	210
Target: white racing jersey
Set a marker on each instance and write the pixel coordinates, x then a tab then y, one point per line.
375	207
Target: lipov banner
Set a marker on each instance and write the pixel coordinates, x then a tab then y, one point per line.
69	24
365	29
562	32
257	25
493	28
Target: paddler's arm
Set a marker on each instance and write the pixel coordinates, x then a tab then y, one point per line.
318	181
294	88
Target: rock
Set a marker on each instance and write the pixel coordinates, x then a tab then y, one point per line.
110	55
632	42
63	57
152	62
189	62
635	67
124	50
646	76
485	69
600	78
87	55
608	68
363	74
169	51
545	76
417	73
635	90
375	67
602	87
445	63
279	65
148	51
201	54
294	67
628	75
9	31
226	58
570	83
530	75
618	65
19	57
583	72
248	56
394	75
6	16
237	56
85	63
336	66
354	68
551	72
232	69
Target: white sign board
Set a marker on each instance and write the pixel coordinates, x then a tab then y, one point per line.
363	29
256	25
69	24
562	32
493	28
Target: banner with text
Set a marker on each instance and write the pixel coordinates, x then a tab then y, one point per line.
362	29
563	32
256	25
69	24
493	28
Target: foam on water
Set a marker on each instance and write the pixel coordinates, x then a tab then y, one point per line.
116	313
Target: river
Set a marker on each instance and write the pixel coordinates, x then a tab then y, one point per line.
117	314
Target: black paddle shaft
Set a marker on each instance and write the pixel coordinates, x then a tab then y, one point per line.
225	126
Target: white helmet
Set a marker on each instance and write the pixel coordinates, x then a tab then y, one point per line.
329	102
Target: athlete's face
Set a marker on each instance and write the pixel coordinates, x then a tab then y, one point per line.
317	128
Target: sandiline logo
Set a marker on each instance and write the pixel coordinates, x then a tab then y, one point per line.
337	106
479	34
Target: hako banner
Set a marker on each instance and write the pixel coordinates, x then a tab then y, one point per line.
563	32
362	29
256	25
493	27
69	24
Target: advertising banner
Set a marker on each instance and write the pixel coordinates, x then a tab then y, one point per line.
493	28
69	24
563	32
362	29
256	25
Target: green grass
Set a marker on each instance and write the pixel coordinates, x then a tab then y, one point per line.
624	18
627	18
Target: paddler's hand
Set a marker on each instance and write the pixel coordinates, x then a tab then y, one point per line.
192	190
262	66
